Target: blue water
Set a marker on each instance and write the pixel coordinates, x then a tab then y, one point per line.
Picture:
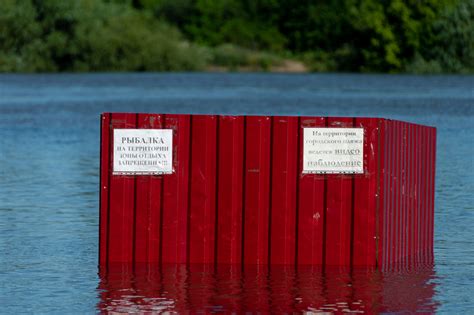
49	161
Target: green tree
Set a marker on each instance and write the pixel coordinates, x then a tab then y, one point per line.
453	41
146	35
90	35
21	48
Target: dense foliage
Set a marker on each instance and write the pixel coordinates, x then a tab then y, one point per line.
427	36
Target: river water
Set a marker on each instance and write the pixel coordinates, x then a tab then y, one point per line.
49	162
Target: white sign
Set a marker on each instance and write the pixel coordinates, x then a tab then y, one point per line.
333	150
143	151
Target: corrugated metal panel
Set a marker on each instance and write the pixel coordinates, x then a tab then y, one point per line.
230	189
121	204
364	203
257	190
311	207
174	205
238	195
339	202
105	143
202	189
284	164
408	194
148	199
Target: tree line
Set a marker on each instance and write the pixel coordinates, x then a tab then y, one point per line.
430	36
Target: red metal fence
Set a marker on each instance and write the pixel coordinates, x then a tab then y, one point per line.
238	195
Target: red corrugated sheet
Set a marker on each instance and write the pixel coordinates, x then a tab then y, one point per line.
238	195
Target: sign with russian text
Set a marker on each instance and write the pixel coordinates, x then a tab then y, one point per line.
333	150
143	151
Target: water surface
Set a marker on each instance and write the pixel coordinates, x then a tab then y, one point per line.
49	160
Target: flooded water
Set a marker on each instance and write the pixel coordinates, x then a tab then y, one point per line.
49	162
280	289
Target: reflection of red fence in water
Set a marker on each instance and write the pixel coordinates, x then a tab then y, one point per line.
125	288
238	195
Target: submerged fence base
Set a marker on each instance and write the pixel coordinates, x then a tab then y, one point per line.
265	190
275	289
